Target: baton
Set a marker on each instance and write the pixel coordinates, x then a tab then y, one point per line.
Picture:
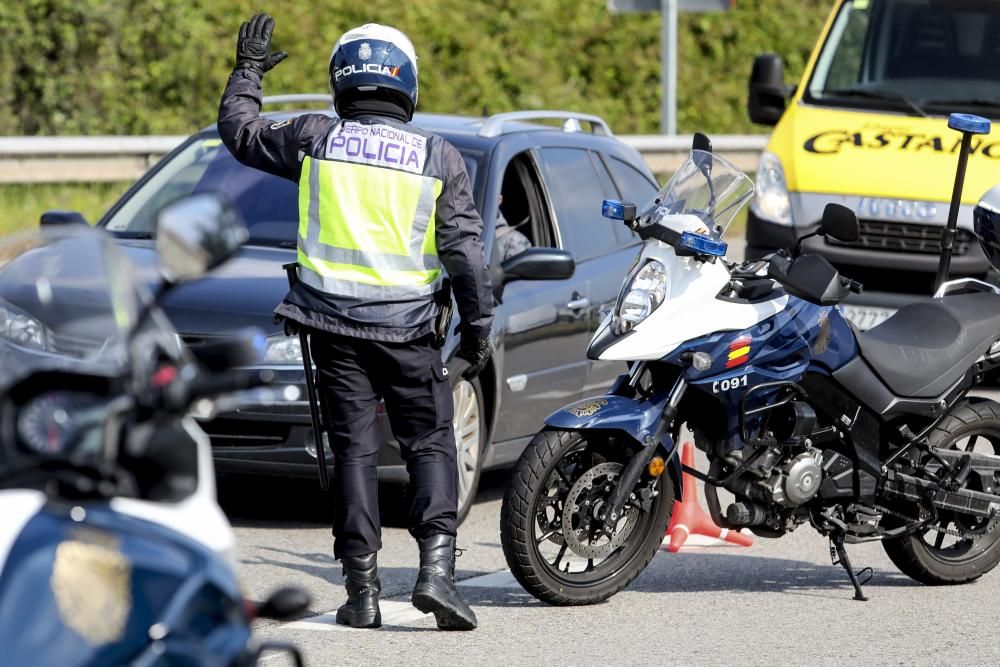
314	404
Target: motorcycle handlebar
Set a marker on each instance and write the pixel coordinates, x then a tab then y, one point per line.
225	383
852	285
179	395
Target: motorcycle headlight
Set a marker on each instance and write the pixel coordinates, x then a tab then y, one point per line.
771	201
20	328
644	294
283	350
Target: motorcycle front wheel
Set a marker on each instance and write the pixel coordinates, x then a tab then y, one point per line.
555	548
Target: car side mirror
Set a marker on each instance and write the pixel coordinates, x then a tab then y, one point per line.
195	235
768	93
618	210
58	217
840	223
539	264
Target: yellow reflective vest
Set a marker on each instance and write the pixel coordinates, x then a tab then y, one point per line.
366	216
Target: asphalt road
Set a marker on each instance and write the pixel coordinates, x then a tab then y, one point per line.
777	602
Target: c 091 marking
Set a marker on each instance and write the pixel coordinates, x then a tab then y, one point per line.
729	385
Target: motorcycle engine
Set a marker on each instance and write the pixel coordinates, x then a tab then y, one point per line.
782	478
777	483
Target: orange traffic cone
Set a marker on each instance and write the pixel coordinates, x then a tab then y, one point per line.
690	519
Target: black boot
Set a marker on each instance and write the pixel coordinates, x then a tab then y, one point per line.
435	592
361	580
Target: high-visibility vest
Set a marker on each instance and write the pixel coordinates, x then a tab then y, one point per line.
367	232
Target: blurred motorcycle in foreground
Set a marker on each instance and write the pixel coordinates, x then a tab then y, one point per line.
113	549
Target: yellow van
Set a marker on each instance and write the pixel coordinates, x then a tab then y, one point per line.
868	127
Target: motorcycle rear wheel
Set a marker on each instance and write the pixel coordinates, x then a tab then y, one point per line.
553	465
933	557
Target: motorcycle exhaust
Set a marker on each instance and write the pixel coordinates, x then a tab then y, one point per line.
966	501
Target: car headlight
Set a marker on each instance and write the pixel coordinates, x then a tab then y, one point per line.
771	201
283	350
20	328
644	294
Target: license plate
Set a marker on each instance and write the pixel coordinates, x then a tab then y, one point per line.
866	317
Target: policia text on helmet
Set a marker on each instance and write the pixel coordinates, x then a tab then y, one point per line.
383	208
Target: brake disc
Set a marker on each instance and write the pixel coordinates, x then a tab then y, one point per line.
581	529
551	524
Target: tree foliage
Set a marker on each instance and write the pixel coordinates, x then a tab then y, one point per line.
159	66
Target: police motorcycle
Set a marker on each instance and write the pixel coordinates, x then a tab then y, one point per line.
113	549
865	436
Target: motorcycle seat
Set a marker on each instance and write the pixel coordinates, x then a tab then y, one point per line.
925	347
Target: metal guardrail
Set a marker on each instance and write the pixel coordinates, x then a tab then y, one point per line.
110	158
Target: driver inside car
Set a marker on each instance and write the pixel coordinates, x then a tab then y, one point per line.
509	241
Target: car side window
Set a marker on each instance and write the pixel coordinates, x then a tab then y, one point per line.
634	187
523	221
577	191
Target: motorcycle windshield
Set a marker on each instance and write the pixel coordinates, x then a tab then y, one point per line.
707	186
68	301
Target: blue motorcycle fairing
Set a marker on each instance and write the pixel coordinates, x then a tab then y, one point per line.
802	338
637	418
206	621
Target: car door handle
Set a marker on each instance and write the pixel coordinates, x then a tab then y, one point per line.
578	302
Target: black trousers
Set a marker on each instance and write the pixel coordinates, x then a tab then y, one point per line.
354	374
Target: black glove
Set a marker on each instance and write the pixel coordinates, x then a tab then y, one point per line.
291	326
474	347
253	46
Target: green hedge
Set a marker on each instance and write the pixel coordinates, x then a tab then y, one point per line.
158	66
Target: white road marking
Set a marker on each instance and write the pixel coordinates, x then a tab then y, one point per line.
401	612
501	579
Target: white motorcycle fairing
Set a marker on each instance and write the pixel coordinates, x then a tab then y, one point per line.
197	516
690	309
17	506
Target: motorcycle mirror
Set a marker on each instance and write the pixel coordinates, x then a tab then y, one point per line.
701	142
840	223
617	210
195	235
284	603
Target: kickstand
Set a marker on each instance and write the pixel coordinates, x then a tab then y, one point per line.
838	554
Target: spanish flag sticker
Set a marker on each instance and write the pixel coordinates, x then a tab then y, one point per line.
739	352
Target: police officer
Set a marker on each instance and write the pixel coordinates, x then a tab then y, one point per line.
383	207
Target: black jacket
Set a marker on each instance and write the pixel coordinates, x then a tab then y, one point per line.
279	148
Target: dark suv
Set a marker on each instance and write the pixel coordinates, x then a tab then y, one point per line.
551	181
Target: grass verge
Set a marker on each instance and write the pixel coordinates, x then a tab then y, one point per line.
22	205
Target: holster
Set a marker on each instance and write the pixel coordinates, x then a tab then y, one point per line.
445	312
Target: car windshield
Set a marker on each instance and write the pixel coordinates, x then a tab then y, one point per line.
67	297
916	56
708	187
268	204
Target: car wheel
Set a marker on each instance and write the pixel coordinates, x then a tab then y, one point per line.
470	439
